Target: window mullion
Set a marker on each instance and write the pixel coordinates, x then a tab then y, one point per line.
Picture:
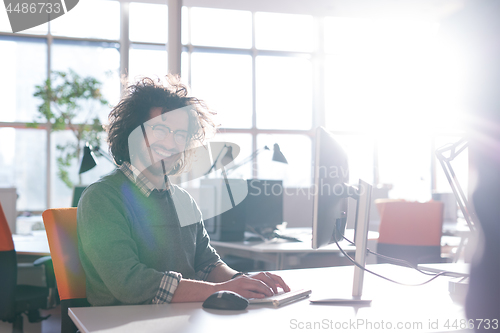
254	100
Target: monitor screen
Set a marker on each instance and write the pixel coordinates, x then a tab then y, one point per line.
263	206
259	210
331	174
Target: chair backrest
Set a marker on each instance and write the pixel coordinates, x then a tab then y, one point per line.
410	223
8	269
60	225
6	242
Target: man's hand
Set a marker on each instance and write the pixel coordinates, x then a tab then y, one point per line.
257	285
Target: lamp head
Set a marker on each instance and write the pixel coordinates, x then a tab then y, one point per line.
88	159
278	155
228	157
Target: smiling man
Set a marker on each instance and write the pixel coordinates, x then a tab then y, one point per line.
142	239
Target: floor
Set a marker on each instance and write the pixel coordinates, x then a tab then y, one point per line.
50	325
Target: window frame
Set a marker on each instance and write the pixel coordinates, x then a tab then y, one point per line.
317	57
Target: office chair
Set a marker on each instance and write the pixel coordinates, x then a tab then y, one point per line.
410	230
77	193
63	242
18	299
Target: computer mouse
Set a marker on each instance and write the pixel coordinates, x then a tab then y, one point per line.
225	300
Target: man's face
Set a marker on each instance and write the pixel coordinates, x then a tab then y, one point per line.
160	139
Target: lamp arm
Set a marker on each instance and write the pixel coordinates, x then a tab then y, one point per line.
460	196
103	154
461	145
216	160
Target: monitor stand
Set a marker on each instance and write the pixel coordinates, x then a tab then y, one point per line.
360	240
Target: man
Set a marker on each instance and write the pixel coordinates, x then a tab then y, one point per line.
476	31
141	239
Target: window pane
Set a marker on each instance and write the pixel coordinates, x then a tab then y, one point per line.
148	61
297	151
148	22
23	165
405	163
359	149
100	60
23	64
284	92
90	19
224	81
221	27
284	32
379	73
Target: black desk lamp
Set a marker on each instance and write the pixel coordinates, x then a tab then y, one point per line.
89	158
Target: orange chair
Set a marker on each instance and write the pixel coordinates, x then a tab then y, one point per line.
410	230
60	225
16	300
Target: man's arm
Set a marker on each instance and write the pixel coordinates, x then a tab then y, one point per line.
221	273
257	285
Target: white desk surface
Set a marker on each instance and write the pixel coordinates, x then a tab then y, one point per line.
279	252
426	308
283	246
35	244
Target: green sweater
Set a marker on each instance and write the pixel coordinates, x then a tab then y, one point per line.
127	240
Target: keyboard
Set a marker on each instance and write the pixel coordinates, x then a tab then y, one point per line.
295	234
282	297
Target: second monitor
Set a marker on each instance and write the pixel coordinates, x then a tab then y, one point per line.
260	212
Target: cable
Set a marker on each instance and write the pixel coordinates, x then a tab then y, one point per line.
394	260
381	276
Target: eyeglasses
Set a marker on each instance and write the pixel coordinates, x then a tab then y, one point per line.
160	132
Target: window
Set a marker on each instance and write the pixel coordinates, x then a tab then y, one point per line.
73	44
90	19
284	32
258	77
220	27
283	100
148	23
383	80
23	166
386	87
23	64
225	82
147	60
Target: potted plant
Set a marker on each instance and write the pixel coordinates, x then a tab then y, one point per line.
71	102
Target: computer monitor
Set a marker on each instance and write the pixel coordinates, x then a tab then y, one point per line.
263	206
331	176
260	211
331	192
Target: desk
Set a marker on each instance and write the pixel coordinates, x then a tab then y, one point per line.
425	308
28	249
284	254
35	244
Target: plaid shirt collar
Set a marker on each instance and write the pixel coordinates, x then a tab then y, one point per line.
141	181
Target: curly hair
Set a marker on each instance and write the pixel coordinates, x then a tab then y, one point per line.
134	108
